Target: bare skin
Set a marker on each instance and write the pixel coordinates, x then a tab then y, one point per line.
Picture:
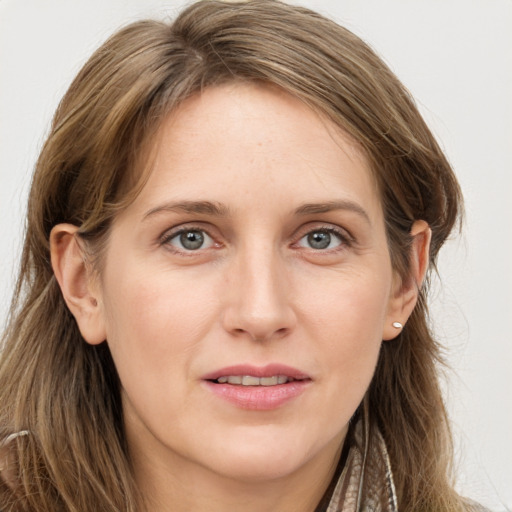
257	242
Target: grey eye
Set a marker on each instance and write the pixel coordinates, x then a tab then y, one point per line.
321	239
191	240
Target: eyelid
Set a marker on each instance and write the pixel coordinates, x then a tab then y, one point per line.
171	233
345	237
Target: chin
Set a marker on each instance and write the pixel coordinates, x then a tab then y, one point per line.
265	468
257	458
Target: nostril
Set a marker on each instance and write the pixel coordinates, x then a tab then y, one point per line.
260	337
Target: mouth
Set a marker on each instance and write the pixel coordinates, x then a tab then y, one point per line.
251	380
257	388
274	374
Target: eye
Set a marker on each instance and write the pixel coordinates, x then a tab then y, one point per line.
189	240
321	239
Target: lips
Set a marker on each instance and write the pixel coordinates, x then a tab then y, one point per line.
251	380
270	370
257	388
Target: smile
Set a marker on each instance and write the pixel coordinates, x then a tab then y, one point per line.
257	388
251	380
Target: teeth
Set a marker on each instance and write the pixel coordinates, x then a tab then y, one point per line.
250	380
270	381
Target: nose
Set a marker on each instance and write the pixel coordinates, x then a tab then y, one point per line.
258	297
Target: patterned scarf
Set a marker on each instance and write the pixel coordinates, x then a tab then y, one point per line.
363	480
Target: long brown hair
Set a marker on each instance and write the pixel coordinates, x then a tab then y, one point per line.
64	392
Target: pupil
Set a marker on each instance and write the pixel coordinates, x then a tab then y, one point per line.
192	239
319	240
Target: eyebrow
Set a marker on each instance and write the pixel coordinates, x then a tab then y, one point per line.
215	209
209	208
329	206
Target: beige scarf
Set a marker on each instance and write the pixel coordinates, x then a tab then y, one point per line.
366	481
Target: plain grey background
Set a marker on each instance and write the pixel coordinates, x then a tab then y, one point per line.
456	58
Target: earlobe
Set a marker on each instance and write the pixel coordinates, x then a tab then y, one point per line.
405	293
77	284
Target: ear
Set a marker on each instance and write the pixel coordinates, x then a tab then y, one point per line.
8	460
405	293
79	286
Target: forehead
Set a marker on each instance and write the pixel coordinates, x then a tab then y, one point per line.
249	138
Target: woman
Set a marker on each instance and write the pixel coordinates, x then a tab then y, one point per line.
221	302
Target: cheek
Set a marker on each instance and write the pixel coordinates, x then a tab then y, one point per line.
156	323
347	305
156	319
345	318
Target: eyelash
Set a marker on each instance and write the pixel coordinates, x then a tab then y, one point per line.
168	236
344	238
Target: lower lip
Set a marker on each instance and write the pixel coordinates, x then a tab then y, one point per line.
258	398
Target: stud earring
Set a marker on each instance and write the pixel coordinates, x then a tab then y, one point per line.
397	325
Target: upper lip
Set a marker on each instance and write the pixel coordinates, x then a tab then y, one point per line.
268	370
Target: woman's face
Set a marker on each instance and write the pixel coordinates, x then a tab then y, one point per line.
248	288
